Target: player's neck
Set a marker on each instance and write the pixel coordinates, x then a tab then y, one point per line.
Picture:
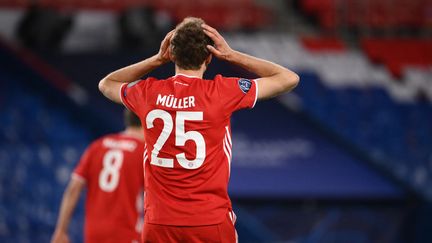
134	132
192	73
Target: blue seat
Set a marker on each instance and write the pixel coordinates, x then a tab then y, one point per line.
370	119
33	138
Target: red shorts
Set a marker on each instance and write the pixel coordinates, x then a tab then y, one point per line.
217	233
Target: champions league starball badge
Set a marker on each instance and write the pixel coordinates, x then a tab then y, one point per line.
244	84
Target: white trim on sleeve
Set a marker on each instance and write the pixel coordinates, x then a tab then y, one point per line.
121	95
78	177
256	92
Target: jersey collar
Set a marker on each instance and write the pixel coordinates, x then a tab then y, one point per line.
184	75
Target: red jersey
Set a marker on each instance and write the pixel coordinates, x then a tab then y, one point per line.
187	131
112	168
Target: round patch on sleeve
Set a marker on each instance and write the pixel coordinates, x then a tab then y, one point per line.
244	84
131	84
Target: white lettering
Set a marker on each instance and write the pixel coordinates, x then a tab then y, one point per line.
161	100
180	103
169	101
119	144
192	101
173	102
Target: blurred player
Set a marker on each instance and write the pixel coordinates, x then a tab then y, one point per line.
112	171
187	130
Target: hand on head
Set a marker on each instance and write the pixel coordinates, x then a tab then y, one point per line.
164	50
221	49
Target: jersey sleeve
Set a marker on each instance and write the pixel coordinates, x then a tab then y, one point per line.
133	95
81	171
237	93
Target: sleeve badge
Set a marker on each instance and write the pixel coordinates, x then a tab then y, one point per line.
244	84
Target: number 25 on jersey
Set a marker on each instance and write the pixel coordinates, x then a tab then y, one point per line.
180	138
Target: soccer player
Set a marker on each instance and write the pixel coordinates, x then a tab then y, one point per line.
187	130
112	171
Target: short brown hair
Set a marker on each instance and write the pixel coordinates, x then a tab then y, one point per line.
130	119
189	44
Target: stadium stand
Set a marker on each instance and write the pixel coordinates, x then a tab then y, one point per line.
317	44
35	160
359	117
398	54
365	105
377	15
224	14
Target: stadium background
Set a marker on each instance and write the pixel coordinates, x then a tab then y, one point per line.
346	157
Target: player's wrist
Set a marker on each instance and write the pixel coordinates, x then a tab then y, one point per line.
60	231
236	57
158	60
62	227
233	56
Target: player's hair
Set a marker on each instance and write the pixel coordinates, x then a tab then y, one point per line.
188	45
130	119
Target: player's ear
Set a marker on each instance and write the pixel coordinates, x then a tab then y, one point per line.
208	60
171	56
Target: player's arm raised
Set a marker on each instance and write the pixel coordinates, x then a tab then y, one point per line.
69	202
274	80
110	85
